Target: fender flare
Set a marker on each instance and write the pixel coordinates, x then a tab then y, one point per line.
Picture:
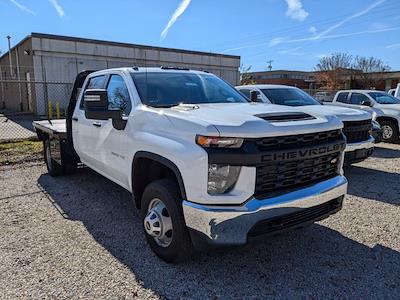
164	161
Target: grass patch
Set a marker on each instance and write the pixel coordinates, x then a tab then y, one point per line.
15	152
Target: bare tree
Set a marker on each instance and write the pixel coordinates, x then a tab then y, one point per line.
245	76
330	70
366	67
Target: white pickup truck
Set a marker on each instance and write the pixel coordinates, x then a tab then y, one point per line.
205	167
357	123
385	106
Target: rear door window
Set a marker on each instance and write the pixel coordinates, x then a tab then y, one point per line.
97	82
357	98
342	97
245	92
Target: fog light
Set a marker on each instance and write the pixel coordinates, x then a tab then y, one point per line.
222	178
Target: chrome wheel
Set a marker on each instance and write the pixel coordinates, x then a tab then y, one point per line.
387	132
158	223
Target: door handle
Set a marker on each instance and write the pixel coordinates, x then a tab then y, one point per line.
97	124
75	119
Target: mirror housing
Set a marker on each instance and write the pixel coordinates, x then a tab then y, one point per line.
367	103
96	107
254	96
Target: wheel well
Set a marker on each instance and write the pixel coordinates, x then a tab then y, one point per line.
380	119
148	169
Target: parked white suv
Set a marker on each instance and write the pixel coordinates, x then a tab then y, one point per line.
388	108
357	123
204	166
397	91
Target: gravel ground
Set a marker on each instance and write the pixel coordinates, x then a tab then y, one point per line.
80	237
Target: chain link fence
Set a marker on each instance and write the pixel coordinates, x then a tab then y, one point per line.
22	102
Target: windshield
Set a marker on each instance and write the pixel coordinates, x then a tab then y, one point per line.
383	98
290	97
165	89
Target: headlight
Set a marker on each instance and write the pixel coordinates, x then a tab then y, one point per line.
218	142
375	125
221	178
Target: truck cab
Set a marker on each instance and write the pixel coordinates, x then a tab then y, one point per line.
386	109
357	123
206	167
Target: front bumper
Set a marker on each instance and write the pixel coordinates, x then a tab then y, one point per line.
231	225
356	152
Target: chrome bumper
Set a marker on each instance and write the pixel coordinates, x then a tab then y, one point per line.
368	144
230	225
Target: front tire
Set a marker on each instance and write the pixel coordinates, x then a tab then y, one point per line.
163	221
390	131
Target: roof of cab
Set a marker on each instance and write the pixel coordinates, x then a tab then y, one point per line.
359	91
149	69
268	86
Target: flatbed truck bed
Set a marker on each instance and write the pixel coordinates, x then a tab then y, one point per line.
52	128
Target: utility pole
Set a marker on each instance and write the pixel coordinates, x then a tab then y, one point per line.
21	107
9	55
270	64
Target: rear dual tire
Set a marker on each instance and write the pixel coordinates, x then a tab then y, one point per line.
53	167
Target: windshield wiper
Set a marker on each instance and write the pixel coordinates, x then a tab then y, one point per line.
164	105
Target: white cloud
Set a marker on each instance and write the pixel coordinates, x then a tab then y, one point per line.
325	34
276	41
58	8
22	7
393	46
295	10
354	16
335	36
178	12
292	51
313	30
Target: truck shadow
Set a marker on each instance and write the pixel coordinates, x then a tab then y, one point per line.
367	183
381	152
316	262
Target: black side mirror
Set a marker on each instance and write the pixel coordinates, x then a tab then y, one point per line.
366	103
96	107
254	96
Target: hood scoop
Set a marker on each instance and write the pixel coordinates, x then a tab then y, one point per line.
285	117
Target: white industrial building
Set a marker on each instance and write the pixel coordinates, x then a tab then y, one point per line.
44	66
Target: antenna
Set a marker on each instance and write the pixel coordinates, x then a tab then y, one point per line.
270	64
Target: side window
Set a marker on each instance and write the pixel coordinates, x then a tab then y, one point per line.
357	98
94	83
118	95
246	93
342	97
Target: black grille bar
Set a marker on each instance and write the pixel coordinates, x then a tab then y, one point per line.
357	131
283	177
294	141
311	214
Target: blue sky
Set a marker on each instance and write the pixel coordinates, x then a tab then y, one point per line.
293	33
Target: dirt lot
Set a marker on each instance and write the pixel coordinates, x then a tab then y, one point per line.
79	236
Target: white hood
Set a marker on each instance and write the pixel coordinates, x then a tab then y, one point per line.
343	113
240	119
